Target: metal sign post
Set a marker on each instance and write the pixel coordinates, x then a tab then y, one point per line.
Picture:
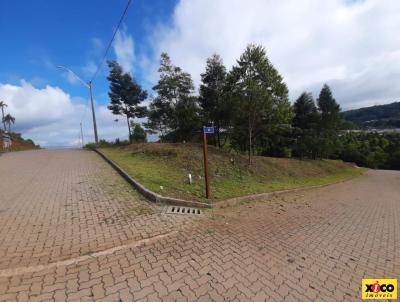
206	130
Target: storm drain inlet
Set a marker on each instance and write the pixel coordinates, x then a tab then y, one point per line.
183	210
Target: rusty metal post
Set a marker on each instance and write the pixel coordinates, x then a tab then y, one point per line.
205	156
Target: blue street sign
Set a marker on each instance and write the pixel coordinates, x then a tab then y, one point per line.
208	130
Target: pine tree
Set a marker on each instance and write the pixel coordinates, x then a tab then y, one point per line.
305	122
329	109
305	111
261	97
125	94
329	122
212	100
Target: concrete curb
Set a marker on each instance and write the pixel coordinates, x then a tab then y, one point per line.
150	195
260	196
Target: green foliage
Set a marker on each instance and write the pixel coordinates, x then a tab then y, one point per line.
250	110
278	143
139	134
305	124
260	98
125	94
187	119
317	128
8	120
329	109
372	150
174	112
329	123
215	105
306	116
105	144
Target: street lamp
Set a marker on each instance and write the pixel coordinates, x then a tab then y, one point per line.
89	86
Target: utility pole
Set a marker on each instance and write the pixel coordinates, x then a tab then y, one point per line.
82	136
89	86
93	113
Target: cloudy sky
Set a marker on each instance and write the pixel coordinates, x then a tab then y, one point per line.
352	45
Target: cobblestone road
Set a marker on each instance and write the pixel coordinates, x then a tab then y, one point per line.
72	229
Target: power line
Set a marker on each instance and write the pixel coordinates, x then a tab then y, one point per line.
112	39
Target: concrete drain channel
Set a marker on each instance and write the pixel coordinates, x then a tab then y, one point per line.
183	210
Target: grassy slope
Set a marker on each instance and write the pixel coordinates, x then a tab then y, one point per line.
167	165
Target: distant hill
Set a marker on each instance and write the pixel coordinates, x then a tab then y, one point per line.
380	116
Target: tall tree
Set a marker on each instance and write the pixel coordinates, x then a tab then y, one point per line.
305	121
329	109
187	119
9	119
2	106
139	134
157	118
125	94
330	121
174	102
304	111
260	94
215	109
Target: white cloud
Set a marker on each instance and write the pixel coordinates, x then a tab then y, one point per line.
124	50
349	44
32	106
51	117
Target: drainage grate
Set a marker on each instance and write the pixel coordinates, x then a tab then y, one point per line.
183	210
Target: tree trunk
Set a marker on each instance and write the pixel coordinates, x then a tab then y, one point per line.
250	142
129	129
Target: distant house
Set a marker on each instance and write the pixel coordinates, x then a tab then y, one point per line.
5	141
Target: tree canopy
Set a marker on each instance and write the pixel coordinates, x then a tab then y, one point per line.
260	97
216	109
174	112
125	94
250	110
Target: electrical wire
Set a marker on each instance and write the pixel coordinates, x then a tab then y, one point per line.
99	66
111	41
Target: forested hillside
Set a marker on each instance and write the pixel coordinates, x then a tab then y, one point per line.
381	116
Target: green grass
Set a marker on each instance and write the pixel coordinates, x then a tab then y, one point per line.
164	168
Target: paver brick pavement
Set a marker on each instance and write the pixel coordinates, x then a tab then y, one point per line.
57	205
313	245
